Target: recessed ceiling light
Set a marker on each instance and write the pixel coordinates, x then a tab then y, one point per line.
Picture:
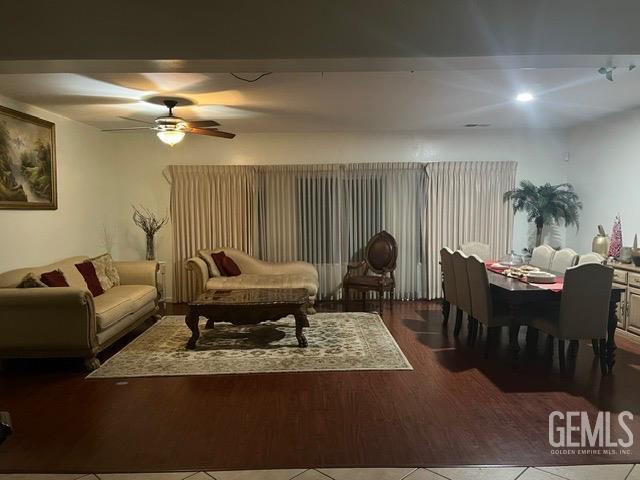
524	97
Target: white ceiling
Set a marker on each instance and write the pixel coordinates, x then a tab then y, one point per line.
337	101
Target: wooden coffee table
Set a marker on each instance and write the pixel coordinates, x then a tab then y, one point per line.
249	307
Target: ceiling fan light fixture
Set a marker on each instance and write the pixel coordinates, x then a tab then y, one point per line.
170	137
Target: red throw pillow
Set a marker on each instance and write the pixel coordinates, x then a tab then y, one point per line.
217	258
88	272
230	267
54	278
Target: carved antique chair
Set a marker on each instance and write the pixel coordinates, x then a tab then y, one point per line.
380	258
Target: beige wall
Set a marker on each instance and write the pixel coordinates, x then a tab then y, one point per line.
100	175
141	158
604	170
86	200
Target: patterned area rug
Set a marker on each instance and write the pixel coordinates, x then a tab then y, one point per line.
337	341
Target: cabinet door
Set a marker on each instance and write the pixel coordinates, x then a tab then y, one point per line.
620	309
633	310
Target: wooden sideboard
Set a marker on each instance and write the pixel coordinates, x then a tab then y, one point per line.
627	275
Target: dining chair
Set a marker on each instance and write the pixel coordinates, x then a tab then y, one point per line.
482	305
380	256
592	257
482	250
463	292
484	310
582	313
563	259
542	257
448	283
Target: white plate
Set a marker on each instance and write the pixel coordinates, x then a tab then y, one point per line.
541	277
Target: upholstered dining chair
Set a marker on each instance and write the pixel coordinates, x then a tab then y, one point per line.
380	259
448	283
463	293
542	257
563	259
482	250
592	257
583	310
484	310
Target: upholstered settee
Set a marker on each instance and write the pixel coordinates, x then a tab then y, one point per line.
254	273
69	321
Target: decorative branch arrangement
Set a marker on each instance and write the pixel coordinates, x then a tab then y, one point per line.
150	224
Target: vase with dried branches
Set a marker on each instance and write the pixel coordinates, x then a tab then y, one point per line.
150	224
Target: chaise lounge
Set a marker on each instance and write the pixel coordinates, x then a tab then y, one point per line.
254	273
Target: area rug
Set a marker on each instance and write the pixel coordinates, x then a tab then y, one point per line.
337	341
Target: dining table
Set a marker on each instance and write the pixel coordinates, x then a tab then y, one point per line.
517	294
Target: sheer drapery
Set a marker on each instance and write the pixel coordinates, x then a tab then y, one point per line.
325	214
465	203
210	206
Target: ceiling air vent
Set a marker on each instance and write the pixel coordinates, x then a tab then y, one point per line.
474	125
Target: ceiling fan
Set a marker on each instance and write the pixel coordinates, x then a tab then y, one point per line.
171	129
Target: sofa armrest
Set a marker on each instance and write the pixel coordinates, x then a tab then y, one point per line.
138	272
36	320
199	266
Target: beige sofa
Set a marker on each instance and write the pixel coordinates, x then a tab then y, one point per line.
69	321
255	273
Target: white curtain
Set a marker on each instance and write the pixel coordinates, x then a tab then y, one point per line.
325	214
465	203
210	206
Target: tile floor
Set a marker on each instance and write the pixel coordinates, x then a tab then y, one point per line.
591	472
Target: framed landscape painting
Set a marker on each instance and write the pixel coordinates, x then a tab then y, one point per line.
27	162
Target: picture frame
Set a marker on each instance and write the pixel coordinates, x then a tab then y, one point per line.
28	170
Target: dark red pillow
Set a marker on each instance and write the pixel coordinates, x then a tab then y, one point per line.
217	259
88	272
230	267
54	278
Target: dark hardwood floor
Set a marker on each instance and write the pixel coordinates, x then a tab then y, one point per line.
455	407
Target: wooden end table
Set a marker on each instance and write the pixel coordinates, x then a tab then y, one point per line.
249	307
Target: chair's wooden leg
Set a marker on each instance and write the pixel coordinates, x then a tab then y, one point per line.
446	308
574	345
364	300
380	300
561	355
458	325
532	340
391	298
345	299
604	368
473	331
492	337
595	343
548	348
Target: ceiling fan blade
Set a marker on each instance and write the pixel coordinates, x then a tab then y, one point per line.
211	132
136	120
203	123
124	129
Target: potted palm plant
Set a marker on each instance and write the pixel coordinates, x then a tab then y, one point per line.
546	204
